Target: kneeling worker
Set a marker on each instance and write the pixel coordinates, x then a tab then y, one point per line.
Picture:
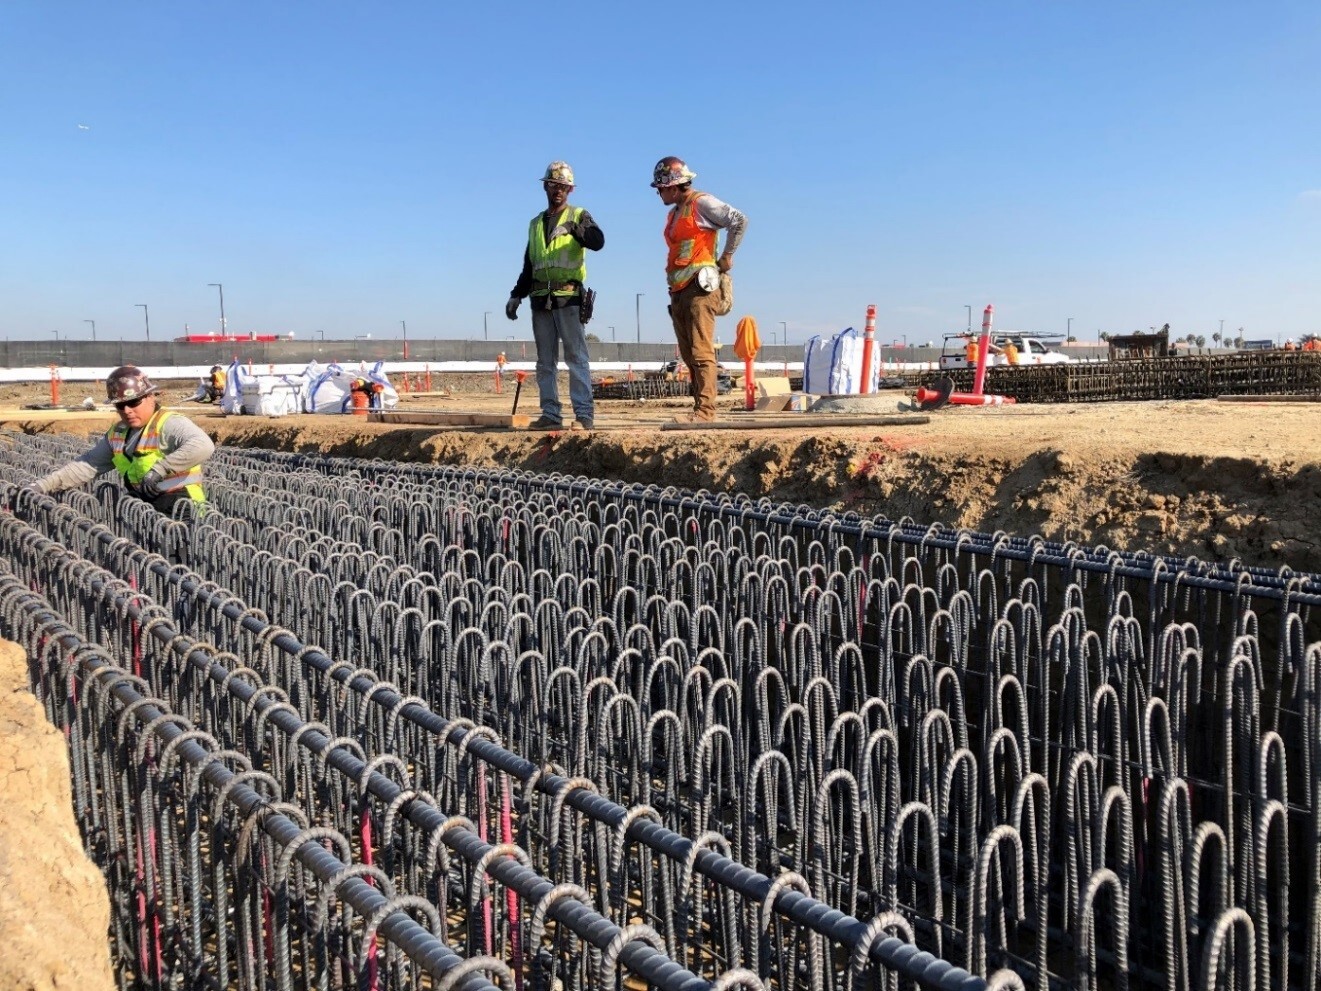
160	454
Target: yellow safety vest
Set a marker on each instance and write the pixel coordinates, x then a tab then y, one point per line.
148	452
559	267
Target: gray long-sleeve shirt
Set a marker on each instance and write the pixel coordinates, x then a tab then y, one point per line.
714	214
183	444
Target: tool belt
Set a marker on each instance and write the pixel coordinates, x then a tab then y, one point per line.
554	287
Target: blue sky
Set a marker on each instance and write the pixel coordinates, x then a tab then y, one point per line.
343	167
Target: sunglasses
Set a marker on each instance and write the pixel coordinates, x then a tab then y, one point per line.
130	404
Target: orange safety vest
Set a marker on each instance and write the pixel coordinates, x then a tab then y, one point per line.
691	245
970	352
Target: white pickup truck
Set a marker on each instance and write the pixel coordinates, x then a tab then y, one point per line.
1031	351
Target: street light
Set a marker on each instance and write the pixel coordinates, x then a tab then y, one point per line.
784	332
612	333
145	318
222	306
1068	330
486	333
322	338
968	307
637	311
404	324
92	322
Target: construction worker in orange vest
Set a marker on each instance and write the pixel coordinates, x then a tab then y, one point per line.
692	270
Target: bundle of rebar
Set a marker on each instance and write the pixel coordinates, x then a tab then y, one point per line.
562	729
1185	377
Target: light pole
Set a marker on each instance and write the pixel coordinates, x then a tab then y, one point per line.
404	324
612	333
486	333
784	332
92	322
637	312
223	330
968	307
322	338
145	318
1068	330
1222	330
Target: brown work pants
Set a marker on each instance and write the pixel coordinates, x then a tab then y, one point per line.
693	313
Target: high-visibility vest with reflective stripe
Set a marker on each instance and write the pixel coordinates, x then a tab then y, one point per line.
692	246
148	452
558	262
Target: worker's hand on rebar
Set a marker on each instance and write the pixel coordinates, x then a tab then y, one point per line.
511	308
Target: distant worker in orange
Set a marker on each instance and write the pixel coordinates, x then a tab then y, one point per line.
1313	343
1010	350
500	360
1289	345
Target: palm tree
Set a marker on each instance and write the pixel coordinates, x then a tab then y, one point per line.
1215	338
1201	340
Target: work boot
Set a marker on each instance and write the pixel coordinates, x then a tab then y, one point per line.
696	416
544	422
586	424
704	390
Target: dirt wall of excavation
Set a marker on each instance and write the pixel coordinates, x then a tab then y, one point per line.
54	911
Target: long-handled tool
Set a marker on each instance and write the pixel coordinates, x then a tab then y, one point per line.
520	376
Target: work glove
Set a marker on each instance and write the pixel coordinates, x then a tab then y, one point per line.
150	486
724	263
511	308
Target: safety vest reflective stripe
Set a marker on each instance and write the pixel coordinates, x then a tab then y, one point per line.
692	247
560	261
146	455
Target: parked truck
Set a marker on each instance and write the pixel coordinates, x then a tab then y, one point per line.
1031	351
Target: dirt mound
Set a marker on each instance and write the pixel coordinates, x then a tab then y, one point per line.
54	912
1216	480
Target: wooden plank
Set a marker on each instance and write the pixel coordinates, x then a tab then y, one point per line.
1276	398
796	421
456	419
773	404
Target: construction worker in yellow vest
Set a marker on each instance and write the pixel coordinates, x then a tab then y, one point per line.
554	272
159	454
692	268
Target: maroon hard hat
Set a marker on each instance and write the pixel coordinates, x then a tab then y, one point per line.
128	382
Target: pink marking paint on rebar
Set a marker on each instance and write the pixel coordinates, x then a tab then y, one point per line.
134	632
365	838
483	831
511	896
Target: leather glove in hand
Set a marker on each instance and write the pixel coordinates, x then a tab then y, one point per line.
511	308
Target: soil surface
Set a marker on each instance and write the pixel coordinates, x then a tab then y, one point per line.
54	912
1219	480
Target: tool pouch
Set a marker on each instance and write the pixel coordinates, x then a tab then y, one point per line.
586	305
724	295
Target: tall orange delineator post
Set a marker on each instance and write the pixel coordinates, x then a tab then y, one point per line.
943	393
54	385
983	351
428	378
868	342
